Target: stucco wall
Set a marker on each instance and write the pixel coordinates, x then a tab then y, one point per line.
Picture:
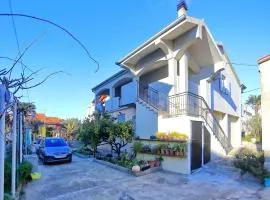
171	164
129	93
146	121
265	110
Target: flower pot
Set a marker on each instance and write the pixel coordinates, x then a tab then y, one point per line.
157	163
177	153
163	152
167	152
152	163
171	152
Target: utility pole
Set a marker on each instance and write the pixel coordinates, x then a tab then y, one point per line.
2	139
14	141
21	135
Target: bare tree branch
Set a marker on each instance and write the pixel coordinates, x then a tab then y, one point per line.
58	26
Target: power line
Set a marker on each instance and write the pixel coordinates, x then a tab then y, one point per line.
17	42
252	90
244	64
58	26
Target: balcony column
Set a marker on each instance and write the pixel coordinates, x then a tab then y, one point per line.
172	66
183	72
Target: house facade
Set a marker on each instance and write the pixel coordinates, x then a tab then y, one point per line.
178	80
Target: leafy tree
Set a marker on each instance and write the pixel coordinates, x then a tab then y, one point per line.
120	135
102	128
72	126
254	101
49	131
254	126
89	133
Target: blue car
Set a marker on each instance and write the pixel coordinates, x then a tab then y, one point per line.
53	150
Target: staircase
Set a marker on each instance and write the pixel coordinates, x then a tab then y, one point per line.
183	104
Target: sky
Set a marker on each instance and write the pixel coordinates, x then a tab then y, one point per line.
110	30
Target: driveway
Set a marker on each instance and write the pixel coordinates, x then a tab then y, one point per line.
85	179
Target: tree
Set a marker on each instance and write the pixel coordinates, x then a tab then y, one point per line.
72	125
102	128
120	136
254	126
254	101
89	133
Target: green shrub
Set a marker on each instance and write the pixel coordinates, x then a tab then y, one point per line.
7	196
7	176
24	170
137	147
250	161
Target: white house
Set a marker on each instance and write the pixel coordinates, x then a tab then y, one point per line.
179	80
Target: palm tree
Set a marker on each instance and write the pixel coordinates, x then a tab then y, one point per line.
254	101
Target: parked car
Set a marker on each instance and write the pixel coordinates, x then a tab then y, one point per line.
53	150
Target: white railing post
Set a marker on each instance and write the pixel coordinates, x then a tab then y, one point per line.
2	139
14	143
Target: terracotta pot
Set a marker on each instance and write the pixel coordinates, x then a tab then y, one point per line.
177	153
163	151
167	152
157	163
172	152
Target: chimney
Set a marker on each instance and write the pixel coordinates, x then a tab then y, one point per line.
182	8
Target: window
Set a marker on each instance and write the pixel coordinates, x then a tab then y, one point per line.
121	117
225	86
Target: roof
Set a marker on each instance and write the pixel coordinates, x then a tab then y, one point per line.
48	120
118	74
164	30
263	59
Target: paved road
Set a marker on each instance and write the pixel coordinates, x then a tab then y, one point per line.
87	180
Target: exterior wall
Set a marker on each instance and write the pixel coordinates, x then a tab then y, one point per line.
129	93
171	164
129	112
265	105
235	124
158	79
146	122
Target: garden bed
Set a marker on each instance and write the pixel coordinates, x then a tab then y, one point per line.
148	169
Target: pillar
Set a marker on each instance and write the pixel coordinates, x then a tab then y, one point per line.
172	66
264	68
183	63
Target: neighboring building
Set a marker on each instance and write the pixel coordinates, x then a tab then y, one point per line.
179	80
90	109
264	67
54	124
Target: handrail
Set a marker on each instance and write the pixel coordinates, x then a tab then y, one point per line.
184	103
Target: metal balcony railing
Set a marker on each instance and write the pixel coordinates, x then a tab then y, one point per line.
184	104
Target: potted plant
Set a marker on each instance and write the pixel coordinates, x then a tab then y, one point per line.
152	163
176	149
162	148
158	161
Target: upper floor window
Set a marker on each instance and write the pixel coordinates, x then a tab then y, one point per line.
225	86
121	117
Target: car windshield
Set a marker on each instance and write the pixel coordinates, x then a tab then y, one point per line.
55	142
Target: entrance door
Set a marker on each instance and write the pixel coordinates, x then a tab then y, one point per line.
196	145
207	146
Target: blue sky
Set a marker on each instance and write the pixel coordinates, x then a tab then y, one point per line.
111	29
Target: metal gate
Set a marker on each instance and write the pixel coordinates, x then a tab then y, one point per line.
207	146
196	145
